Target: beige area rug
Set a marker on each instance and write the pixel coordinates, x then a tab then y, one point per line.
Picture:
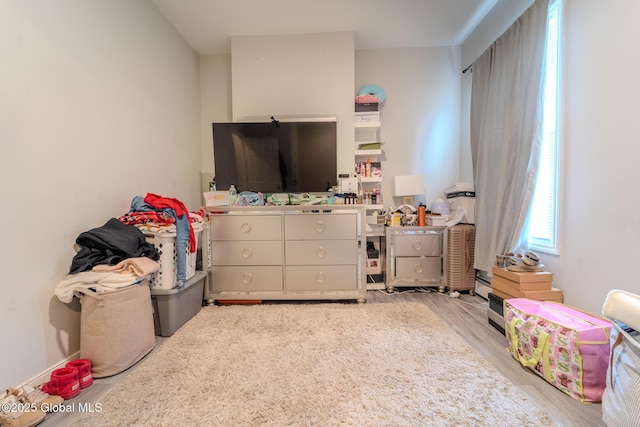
394	364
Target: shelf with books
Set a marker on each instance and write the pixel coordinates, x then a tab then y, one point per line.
368	156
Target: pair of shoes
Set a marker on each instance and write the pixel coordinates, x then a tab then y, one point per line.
14	413
67	382
529	262
42	400
64	382
84	370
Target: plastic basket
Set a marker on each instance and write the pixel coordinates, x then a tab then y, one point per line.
207	236
166	277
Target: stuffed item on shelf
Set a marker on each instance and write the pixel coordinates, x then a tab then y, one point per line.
371	94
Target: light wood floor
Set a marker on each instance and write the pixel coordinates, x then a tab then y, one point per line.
467	315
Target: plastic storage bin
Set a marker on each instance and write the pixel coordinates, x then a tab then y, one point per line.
166	278
172	308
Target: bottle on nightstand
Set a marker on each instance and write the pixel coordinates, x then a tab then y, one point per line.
422	215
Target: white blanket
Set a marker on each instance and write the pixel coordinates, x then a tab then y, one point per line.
623	306
100	281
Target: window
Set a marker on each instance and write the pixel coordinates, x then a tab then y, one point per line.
543	223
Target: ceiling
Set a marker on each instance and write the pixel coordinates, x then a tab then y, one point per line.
208	25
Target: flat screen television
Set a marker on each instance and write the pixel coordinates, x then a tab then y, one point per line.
276	156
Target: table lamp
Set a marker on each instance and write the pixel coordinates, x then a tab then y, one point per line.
407	186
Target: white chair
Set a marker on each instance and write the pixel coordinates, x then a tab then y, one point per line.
622	393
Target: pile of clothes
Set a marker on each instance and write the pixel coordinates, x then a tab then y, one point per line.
156	215
118	255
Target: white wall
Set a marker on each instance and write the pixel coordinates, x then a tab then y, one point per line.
100	103
420	119
421	115
600	227
308	75
215	106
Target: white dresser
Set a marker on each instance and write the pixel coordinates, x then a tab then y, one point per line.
415	256
287	253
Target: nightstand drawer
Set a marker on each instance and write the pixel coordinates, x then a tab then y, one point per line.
246	279
320	226
417	245
319	278
245	227
247	253
418	268
319	252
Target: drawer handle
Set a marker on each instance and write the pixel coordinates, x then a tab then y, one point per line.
247	253
320	227
321	252
417	246
247	278
321	277
246	227
418	268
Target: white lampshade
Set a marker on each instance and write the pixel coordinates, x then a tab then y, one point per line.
408	186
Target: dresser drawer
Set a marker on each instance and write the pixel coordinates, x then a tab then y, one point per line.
417	245
418	268
320	278
246	227
320	226
261	252
321	252
246	279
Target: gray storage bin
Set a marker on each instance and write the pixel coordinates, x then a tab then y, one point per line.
172	308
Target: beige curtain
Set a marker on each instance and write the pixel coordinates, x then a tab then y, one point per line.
506	131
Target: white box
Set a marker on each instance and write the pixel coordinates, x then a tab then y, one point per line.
462	197
375	219
367	117
216	198
373	266
468	204
436	221
349	185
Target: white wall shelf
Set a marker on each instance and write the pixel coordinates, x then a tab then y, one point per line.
371	179
368	148
368	153
368	124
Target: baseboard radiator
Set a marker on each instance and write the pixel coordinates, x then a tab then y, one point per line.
483	284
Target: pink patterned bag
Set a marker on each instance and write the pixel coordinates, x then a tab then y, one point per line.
567	347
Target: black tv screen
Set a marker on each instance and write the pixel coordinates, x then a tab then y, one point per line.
276	157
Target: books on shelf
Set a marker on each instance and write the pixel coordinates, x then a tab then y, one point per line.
370	146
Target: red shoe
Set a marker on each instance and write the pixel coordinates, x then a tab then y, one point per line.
64	383
84	371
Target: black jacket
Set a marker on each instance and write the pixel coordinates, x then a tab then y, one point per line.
110	244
